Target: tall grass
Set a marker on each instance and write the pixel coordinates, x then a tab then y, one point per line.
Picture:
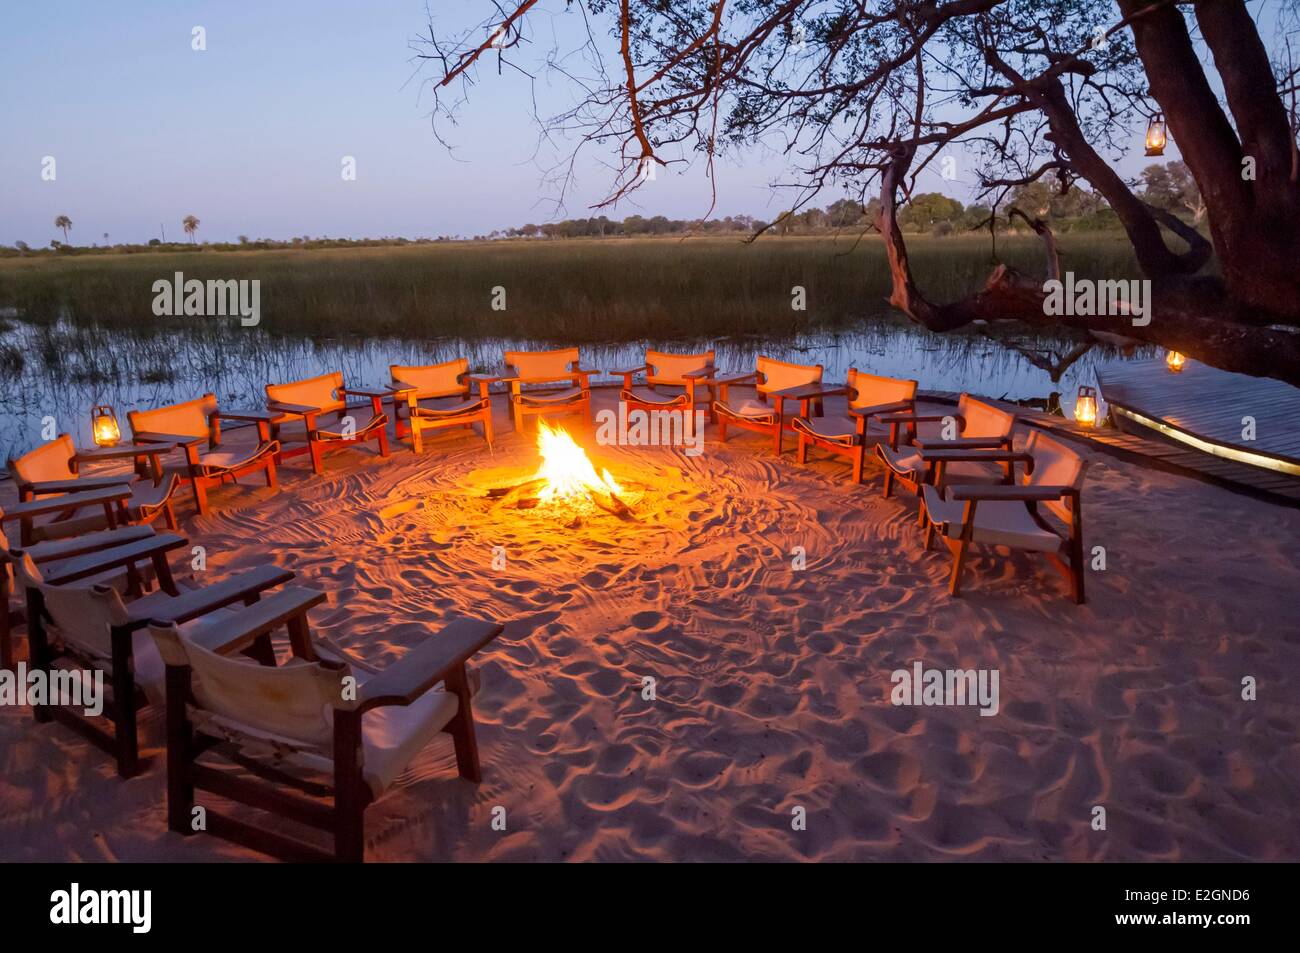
564	291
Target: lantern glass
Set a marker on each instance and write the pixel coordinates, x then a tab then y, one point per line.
104	428
1175	361
1085	407
1156	137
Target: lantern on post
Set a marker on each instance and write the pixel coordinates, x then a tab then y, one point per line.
1175	361
103	425
1156	135
1085	407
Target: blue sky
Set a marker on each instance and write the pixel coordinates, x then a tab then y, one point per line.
249	135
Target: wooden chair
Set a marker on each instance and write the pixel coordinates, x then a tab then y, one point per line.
436	396
1010	515
307	401
319	714
979	426
12	614
849	436
548	367
193	423
773	380
90	626
53	469
670	383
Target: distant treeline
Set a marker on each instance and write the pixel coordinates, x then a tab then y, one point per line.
1168	186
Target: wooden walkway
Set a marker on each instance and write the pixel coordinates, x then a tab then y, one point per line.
1162	454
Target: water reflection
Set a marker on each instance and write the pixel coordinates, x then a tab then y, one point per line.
60	371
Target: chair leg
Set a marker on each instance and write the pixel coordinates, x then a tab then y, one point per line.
272	478
40	658
889	480
349	799
200	495
417	437
857	465
461	727
383	442
803	449
959	557
722	429
169	516
314	448
126	741
180	743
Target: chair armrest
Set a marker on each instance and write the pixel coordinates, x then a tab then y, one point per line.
623	371
267	416
735	378
427	664
979	456
878	410
401	387
809	391
235	631
298	410
55	504
88	543
175	439
585	370
1026	492
960	443
365	391
701	373
923	418
124	452
197	602
45	487
114	557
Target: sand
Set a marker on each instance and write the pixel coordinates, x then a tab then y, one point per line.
772	684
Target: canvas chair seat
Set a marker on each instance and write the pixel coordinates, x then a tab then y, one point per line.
907	462
644	395
286	713
564	396
374	423
447	407
997	523
834	427
747	408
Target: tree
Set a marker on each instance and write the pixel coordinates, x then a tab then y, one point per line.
868	95
64	223
1170	186
191	225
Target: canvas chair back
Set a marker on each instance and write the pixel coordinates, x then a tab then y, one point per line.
543	365
83	614
312	392
873	391
1054	465
984	420
434	380
49	461
289	703
189	419
779	375
670	368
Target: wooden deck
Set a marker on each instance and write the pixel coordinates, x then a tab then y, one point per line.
1275	407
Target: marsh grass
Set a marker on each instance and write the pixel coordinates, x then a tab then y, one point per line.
563	291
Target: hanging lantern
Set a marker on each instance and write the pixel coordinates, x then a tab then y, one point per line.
104	428
1156	136
1175	361
1085	407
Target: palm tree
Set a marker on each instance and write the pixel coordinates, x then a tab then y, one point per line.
191	226
64	223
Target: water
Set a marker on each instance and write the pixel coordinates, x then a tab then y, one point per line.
66	369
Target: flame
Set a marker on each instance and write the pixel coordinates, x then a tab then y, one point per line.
565	467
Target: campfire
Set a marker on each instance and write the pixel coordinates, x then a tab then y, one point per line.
566	480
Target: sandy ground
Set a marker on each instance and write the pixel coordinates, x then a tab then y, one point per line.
772	683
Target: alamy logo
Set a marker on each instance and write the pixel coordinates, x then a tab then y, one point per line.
937	686
74	905
84	690
1084	298
212	298
653	428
